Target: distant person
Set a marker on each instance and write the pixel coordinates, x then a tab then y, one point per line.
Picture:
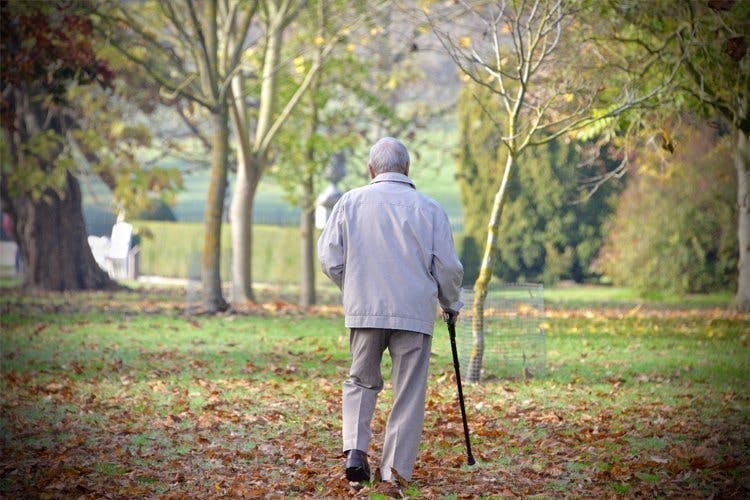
10	233
390	250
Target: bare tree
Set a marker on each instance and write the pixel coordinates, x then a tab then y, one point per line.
191	57
255	138
548	74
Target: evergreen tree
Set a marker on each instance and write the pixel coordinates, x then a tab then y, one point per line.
551	231
476	172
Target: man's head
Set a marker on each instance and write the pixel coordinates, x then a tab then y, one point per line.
388	155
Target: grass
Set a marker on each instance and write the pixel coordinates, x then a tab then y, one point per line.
596	296
122	394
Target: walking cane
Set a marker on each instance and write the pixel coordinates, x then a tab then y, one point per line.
452	334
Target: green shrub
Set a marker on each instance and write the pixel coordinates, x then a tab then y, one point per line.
158	210
174	249
675	226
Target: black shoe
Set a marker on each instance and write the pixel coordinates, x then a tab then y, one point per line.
357	468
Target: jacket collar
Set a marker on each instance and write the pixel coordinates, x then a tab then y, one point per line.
393	177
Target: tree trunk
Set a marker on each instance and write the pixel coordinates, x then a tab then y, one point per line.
213	299
742	163
53	242
241	208
241	216
307	232
485	275
307	200
251	169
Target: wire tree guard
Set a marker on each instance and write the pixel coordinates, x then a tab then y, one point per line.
514	340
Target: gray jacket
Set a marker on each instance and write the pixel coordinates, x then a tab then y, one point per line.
390	250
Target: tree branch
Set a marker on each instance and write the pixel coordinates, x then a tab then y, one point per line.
193	127
210	72
292	102
243	30
160	79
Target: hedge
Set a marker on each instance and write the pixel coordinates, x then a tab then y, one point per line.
173	249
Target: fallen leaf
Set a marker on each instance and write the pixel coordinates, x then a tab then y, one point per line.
399	478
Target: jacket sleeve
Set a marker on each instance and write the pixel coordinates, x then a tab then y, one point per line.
331	247
446	267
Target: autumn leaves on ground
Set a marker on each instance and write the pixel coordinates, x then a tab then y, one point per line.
125	396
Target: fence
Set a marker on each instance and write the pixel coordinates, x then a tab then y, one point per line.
513	338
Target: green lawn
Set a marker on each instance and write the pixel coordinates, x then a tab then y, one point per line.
124	395
597	296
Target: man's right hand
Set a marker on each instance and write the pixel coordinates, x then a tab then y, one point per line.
448	314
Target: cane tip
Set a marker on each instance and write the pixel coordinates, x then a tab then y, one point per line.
471	460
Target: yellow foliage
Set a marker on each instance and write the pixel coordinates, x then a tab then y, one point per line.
117	128
392	83
299	64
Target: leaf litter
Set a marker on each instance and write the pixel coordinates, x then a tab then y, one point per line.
270	428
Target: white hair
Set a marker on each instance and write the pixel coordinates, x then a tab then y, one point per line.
389	155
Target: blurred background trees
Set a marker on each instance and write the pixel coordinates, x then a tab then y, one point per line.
61	118
713	81
192	56
146	96
675	225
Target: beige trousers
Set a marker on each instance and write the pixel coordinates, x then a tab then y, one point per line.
410	353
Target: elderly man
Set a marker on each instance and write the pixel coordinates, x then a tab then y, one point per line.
390	250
